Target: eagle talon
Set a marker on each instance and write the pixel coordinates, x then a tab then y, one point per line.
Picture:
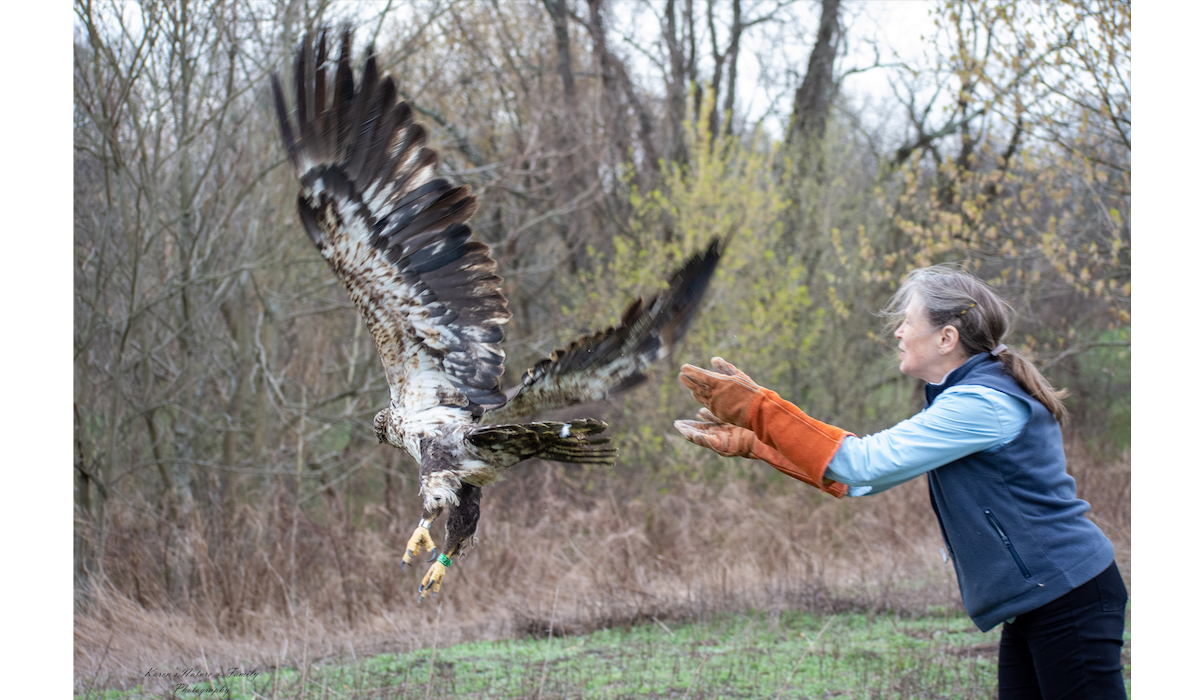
432	583
434	557
419	542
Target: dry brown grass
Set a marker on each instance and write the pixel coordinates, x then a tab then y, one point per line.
586	557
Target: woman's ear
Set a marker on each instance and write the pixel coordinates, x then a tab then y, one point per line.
948	340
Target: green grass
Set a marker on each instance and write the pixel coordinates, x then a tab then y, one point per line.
788	655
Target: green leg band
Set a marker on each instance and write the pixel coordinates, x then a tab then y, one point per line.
444	560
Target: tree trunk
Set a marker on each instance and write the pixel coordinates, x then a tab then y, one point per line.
689	14
811	106
265	345
810	110
735	42
676	88
562	43
619	91
238	321
714	117
180	499
84	523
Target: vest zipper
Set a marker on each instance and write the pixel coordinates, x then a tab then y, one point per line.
1004	538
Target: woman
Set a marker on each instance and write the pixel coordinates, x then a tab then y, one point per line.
989	439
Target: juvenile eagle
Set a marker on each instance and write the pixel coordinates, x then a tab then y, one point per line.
397	238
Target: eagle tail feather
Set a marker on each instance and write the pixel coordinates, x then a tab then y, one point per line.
556	441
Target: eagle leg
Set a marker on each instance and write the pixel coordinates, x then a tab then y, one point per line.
460	531
420	541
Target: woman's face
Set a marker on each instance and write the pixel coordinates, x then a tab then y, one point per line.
925	352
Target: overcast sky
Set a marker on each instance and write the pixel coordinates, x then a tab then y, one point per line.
900	28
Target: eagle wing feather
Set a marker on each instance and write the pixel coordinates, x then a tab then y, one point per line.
394	234
613	360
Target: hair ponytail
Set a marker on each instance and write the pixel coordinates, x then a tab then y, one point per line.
953	297
1032	381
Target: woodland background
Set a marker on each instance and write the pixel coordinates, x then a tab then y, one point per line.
228	491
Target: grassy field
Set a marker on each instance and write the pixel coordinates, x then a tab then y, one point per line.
784	655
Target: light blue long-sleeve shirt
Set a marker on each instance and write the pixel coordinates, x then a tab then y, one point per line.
962	420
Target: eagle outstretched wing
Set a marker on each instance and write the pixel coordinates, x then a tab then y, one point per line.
395	235
613	360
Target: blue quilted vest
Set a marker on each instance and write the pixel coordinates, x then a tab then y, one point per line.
1009	515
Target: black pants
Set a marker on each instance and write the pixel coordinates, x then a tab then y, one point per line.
1069	647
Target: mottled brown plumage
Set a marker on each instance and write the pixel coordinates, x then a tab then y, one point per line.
397	238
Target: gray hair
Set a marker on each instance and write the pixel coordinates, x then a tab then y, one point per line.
951	296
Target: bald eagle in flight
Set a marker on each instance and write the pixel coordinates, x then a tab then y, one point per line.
396	236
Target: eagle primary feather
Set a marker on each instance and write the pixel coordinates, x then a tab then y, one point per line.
397	238
613	360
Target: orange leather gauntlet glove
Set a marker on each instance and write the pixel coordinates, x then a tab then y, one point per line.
803	446
727	392
731	441
809	444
